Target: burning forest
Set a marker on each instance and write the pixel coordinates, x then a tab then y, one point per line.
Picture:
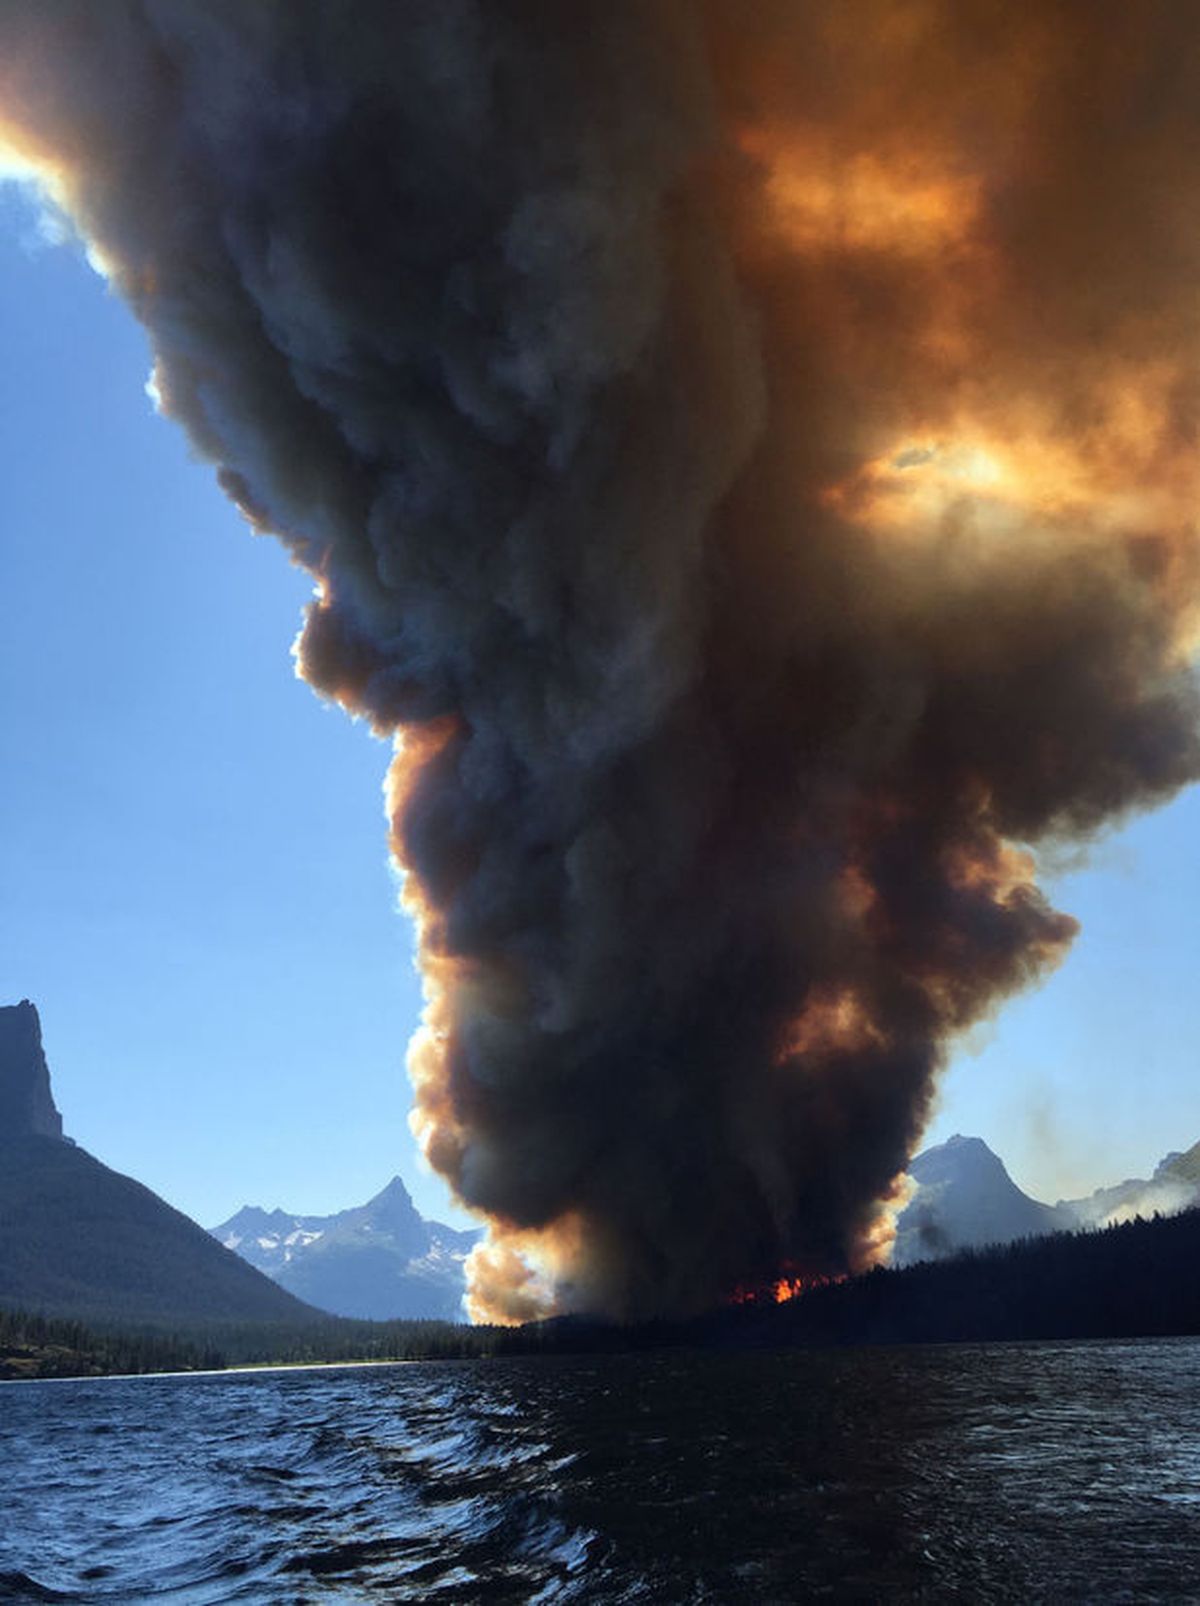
747	462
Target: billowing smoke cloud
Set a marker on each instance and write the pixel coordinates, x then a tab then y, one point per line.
748	456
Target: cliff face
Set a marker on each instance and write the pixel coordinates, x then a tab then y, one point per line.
81	1241
26	1103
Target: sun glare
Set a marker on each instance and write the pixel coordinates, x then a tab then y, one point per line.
47	189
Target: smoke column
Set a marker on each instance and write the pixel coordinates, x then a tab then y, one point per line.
747	457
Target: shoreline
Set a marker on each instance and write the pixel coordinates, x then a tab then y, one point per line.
227	1371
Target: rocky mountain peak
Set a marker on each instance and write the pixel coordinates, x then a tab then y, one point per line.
964	1196
957	1156
1180	1168
380	1260
27	1106
392	1206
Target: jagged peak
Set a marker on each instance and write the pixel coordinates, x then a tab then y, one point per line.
393	1191
392	1205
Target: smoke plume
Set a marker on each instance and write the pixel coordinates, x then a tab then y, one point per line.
747	457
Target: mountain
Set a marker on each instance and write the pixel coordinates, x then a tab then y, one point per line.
965	1198
26	1102
1174	1186
270	1239
1181	1168
381	1260
79	1240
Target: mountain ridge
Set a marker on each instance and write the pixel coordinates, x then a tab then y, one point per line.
380	1260
78	1239
964	1198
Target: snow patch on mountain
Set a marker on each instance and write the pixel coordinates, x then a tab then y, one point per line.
381	1260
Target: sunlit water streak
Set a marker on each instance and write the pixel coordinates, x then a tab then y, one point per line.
1036	1472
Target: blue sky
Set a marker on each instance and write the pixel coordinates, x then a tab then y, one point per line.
193	874
192	855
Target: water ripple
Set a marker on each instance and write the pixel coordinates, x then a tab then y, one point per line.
1024	1473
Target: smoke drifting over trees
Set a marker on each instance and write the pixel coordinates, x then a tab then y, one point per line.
748	459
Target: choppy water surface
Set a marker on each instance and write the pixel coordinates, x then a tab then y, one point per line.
1053	1472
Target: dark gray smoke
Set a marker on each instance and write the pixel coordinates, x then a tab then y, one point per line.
748	459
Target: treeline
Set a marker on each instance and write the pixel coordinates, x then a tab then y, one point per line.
37	1345
1139	1279
32	1345
339	1338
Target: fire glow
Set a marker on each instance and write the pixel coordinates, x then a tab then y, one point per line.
783	1290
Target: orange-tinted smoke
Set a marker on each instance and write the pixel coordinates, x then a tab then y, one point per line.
750	460
966	231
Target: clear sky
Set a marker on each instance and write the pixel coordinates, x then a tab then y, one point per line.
193	878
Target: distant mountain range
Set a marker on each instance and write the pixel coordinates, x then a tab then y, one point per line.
381	1260
1174	1186
79	1240
964	1198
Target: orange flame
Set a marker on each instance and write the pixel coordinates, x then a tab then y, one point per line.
787	1286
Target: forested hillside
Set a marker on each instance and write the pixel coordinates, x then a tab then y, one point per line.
78	1240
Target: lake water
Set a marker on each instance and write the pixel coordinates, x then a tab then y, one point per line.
1023	1473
